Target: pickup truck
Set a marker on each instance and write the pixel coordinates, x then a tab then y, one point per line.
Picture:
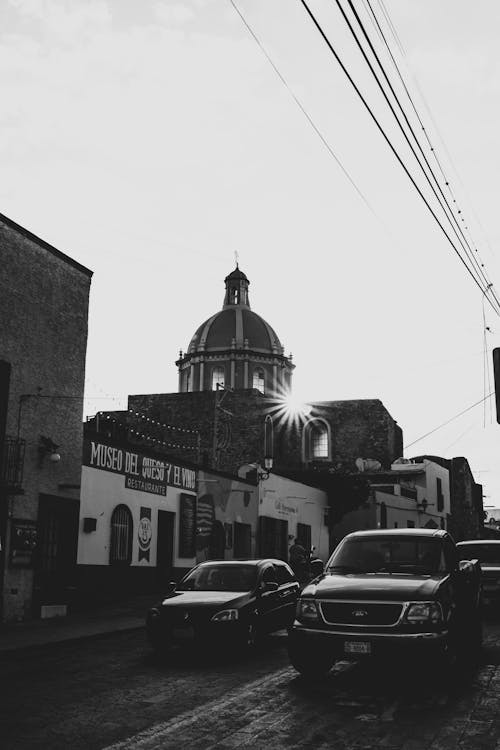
390	593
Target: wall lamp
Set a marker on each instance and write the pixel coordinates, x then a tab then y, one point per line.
268	465
422	507
47	447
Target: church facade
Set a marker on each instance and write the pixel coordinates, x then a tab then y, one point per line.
234	374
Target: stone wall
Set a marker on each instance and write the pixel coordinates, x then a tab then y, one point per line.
43	313
240	424
359	428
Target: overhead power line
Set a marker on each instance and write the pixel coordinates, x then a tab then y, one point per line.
391	146
429	113
301	106
449	420
448	211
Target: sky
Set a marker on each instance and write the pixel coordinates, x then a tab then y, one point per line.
153	140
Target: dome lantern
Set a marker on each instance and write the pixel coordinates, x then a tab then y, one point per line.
236	289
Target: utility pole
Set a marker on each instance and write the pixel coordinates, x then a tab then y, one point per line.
496	376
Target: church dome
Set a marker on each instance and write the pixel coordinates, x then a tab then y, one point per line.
240	328
235	348
236	325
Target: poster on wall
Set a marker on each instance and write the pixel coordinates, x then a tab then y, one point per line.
187	526
144	534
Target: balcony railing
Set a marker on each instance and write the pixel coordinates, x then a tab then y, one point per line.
12	463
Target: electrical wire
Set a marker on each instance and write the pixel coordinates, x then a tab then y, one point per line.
449	420
426	105
391	26
301	107
462	239
389	143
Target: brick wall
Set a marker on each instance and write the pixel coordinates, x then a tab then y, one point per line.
245	434
359	428
43	313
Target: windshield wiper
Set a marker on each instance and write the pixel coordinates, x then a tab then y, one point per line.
344	569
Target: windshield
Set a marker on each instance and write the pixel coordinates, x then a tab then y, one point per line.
388	555
485	553
220	578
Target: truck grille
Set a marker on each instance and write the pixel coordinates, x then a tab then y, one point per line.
360	613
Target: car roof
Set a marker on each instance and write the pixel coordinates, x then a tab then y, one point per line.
397	532
467	542
260	561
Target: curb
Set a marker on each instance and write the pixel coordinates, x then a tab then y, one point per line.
71	638
128	628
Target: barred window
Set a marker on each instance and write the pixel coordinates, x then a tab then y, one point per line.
120	551
258	380
217	377
319	441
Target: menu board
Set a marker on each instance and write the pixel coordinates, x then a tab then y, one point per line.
187	526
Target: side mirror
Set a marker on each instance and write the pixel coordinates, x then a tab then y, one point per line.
317	568
170	586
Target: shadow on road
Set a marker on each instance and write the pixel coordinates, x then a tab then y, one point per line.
198	656
383	683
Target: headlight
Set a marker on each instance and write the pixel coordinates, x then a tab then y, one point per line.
307	610
421	612
154	612
227	615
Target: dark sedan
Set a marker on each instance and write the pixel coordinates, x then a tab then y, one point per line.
225	602
487	551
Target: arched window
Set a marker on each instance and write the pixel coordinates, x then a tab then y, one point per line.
258	380
217	377
122	527
317	442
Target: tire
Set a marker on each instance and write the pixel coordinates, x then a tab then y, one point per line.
451	660
311	665
474	639
160	648
250	638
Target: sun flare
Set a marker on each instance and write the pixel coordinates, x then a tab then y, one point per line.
288	411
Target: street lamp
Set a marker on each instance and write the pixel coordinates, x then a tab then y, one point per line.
422	507
268	465
268	448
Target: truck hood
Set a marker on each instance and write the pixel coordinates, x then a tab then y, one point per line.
383	587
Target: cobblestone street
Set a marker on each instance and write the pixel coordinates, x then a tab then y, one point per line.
110	692
281	711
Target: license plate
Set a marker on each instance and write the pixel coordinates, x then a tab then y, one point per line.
183	634
357	647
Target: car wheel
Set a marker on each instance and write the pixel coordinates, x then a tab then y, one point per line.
475	639
308	664
250	637
160	648
451	657
477	629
